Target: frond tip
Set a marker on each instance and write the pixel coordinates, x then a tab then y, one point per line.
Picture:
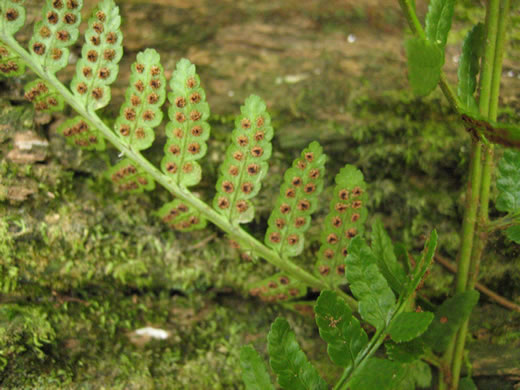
298	199
188	128
100	55
58	29
345	221
141	111
245	164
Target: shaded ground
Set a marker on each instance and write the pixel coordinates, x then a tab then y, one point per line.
101	265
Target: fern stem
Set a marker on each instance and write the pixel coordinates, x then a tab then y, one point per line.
178	191
497	22
503	20
363	357
415	25
408	8
374	344
470	217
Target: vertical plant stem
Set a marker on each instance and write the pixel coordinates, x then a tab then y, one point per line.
468	231
503	20
473	192
488	61
470	216
483	217
496	23
474	186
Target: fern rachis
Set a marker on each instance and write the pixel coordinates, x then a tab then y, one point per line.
90	90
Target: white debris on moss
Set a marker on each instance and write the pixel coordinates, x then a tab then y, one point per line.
154	333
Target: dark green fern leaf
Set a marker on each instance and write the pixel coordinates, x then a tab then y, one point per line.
254	371
425	61
380	374
508	182
376	299
386	258
469	67
438	21
339	328
289	362
449	316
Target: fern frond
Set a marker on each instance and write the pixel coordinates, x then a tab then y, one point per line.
181	216
44	97
245	163
141	111
289	362
10	64
339	328
377	302
58	29
246	158
345	221
279	287
79	132
128	176
100	55
12	16
188	130
298	199
254	371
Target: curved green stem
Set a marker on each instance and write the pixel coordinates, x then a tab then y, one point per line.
180	192
407	6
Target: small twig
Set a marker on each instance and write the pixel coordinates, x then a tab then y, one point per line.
60	299
203	242
480	287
